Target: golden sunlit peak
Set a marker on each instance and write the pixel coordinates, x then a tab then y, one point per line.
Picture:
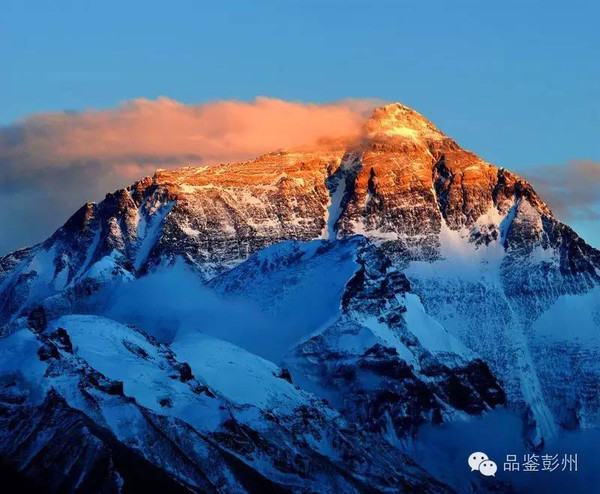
398	120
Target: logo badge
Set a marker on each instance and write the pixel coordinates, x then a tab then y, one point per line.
481	462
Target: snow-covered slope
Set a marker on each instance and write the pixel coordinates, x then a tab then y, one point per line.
492	295
88	403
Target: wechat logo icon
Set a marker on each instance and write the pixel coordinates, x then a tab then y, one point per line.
480	461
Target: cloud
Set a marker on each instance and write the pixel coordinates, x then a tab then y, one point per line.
572	190
51	163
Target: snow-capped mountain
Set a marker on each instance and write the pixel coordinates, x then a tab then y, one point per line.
328	303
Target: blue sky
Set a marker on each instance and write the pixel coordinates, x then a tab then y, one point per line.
516	82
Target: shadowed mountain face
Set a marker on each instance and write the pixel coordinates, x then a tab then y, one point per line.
391	282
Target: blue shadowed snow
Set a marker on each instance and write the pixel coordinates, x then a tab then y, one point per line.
296	286
266	305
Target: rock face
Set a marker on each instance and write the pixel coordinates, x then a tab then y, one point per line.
400	278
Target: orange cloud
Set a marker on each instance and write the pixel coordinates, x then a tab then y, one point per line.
56	161
164	129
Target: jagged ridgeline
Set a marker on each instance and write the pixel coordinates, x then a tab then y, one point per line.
299	318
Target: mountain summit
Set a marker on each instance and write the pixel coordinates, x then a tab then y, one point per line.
396	280
397	120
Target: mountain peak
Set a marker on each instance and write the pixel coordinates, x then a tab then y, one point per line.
399	121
